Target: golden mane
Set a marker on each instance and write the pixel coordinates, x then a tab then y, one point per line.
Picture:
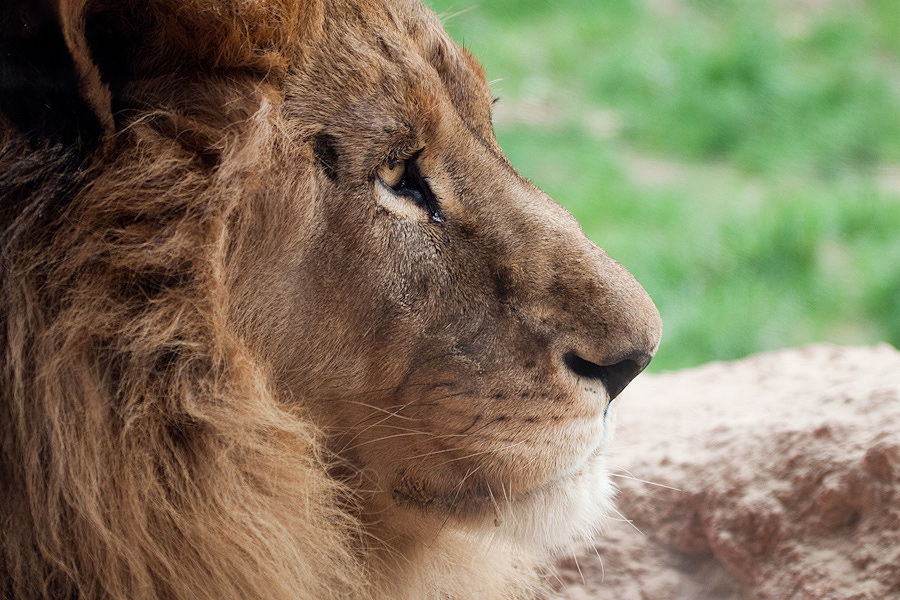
135	426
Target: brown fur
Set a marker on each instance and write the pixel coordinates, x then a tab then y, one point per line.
236	365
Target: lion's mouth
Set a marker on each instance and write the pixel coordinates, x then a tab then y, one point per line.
473	495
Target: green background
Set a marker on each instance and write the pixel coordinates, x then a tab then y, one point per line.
741	158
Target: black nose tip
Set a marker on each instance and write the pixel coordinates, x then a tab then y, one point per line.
615	376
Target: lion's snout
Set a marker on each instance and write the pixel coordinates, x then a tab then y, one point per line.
630	336
608	327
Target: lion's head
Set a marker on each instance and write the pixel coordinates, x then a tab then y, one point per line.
280	317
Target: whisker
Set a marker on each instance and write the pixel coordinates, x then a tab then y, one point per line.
483	452
382	390
431	433
349	442
615	449
388	411
445	17
396	435
602	569
494	502
459	486
628	475
626	520
468	473
529	463
392	411
577	566
552	571
399	407
470	455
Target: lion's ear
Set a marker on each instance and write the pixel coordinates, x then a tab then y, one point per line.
67	66
49	88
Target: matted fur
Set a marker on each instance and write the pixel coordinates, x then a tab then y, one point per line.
235	363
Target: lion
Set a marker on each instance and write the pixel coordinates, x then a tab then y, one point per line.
280	320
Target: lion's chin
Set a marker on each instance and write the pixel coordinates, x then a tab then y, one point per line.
555	518
547	519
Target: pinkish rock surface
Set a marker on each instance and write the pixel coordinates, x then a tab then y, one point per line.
787	469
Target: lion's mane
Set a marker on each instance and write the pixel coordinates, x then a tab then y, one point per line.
135	427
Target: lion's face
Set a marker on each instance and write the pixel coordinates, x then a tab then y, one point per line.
447	324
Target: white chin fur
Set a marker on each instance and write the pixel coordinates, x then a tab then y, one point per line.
552	521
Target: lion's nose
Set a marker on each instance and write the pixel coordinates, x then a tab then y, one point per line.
616	330
614	376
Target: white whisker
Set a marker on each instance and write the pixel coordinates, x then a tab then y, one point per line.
577	566
625	519
633	478
602	569
473	454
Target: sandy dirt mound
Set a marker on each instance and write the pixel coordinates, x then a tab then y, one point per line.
787	469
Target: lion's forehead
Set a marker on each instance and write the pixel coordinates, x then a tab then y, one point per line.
393	57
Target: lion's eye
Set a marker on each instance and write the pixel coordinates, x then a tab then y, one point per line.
402	178
392	175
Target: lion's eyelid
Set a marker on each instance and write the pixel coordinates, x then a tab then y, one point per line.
413	185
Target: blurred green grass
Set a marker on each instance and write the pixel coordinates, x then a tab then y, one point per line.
742	159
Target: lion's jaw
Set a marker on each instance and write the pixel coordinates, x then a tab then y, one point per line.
542	492
557	517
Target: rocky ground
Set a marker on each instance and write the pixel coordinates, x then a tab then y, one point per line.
772	478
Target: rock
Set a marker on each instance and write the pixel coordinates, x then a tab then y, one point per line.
775	477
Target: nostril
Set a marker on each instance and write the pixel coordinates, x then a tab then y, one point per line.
584	368
615	377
